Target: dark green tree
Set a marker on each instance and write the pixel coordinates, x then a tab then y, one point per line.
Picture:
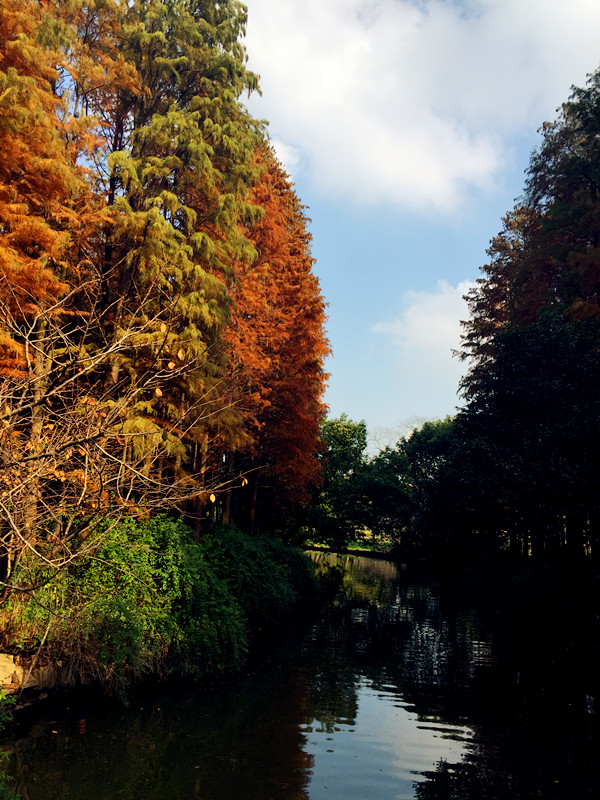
337	516
534	339
387	506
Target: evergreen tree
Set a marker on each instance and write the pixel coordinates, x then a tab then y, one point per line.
177	161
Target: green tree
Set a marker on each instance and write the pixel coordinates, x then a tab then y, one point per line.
386	503
178	157
533	338
424	462
337	516
538	413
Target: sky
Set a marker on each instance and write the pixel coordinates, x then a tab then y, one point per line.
406	127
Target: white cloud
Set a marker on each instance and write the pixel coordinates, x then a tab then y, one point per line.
414	103
429	324
425	334
288	156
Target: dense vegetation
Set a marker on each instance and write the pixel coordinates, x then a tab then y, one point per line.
516	471
162	346
162	336
161	339
150	600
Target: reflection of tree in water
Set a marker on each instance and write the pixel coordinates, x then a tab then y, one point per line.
387	626
220	744
463	781
526	745
393	634
332	696
554	759
535	730
531	731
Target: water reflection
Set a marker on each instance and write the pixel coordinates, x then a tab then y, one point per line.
393	660
229	742
394	692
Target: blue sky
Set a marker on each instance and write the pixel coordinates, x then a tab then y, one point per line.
407	126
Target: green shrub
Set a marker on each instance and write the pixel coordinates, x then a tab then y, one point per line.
150	600
265	576
143	602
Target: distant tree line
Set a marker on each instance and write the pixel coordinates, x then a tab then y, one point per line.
518	468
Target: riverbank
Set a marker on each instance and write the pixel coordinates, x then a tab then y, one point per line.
385	555
393	690
152	602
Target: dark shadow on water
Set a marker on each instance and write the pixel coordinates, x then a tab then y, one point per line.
436	675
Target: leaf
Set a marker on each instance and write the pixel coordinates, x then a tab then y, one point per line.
158	392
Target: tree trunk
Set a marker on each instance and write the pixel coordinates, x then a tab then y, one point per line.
39	368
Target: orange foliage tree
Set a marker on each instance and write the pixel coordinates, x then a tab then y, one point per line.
44	195
278	346
161	328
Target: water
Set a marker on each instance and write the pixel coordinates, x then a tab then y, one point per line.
394	693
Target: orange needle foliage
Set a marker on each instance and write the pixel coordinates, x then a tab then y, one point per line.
278	340
42	191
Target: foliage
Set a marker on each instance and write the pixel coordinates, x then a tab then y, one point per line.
161	330
7	703
538	414
278	348
361	498
266	577
150	600
533	338
7	791
336	516
422	459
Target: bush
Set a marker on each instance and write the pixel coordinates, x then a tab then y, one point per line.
150	600
266	577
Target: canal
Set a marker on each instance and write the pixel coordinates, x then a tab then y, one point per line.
398	690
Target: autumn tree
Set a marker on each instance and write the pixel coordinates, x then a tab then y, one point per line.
176	162
278	346
47	211
162	329
121	196
545	260
44	195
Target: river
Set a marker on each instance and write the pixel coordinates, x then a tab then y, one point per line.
397	691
